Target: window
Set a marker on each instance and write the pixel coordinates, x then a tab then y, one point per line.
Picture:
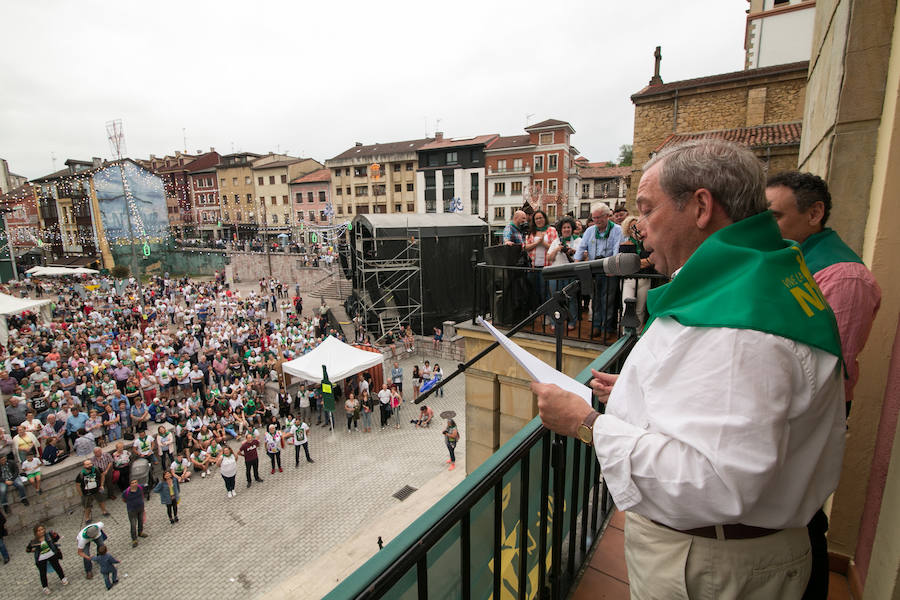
287	218
312	215
432	160
500	212
347	171
237	216
537	187
551	212
380	209
584	210
396	167
249	198
409	166
539	163
347	191
473	193
474	156
452	158
552	162
430	192
259	181
350	209
246	180
321	195
515	188
337	172
309	196
359	171
273	200
284	199
545	138
499	188
517	164
271	180
362	209
338	190
284	179
340	209
262	200
398	208
224	200
449	191
551	186
300	196
322	216
274	218
379	189
410	187
398	187
410	207
222	182
585	189
501	166
299	215
362	190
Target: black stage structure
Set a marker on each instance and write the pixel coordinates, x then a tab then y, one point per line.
412	269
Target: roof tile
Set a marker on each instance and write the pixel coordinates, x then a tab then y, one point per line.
760	136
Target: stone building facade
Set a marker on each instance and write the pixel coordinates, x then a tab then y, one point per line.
760	107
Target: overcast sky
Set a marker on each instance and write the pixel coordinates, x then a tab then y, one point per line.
313	79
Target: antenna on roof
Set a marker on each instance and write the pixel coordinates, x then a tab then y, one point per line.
437	125
184	138
528	119
115	133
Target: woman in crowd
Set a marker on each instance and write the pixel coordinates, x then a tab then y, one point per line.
46	551
562	252
169	494
274	444
228	470
368	407
636	287
396	401
416	381
540	235
165	446
352	410
451	437
121	465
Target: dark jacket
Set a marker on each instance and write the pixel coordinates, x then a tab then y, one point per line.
9	471
34	546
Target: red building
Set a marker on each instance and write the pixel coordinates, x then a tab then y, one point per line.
175	173
311	194
23	222
207	207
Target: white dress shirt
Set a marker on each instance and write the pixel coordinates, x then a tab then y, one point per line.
710	426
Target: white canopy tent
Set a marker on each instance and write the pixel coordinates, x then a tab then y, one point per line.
59	271
10	305
341	360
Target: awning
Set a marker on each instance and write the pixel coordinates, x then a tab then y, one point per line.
341	360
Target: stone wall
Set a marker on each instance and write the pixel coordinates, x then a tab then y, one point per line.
250	266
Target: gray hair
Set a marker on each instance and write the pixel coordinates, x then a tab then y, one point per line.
731	173
603	208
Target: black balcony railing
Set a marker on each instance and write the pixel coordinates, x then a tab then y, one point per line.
520	525
507	294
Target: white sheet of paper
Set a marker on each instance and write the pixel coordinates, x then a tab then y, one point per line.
538	369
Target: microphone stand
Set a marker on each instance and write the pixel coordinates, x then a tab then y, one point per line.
556	306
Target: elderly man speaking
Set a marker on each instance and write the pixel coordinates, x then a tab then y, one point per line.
724	432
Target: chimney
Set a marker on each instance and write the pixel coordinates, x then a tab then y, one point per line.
177	153
358	144
438	136
96	161
152	157
211	149
199	151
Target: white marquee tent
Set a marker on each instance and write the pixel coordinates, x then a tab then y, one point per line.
10	305
59	271
341	360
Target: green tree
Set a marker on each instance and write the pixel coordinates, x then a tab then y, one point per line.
625	155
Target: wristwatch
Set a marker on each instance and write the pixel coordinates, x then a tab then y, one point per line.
586	429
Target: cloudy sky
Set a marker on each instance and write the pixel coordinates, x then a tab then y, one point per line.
313	79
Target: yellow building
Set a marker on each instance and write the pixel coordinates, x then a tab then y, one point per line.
378	178
237	194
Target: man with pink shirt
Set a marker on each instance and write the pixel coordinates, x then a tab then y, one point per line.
801	203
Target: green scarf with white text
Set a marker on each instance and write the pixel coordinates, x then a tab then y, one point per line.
745	276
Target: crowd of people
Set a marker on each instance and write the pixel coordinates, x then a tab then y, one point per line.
608	232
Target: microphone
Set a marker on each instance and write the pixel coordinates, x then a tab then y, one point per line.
619	264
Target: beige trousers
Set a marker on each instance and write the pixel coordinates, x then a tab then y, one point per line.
667	565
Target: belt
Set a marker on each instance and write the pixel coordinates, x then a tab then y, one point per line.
729	532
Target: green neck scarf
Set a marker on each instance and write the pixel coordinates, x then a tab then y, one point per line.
746	277
605	233
544	228
826	248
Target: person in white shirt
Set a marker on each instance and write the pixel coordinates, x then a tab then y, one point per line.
31	470
720	438
228	470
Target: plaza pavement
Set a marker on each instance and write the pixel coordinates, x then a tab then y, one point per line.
249	545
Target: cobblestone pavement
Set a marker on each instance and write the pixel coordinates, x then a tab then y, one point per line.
241	547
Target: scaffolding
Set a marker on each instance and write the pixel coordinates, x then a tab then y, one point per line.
389	289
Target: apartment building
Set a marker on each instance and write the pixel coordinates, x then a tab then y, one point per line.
601	182
236	195
272	175
311	195
450	175
204	189
64	212
376	178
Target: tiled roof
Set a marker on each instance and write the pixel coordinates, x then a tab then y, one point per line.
277	164
760	136
549	123
317	176
595	172
19	193
652	90
511	141
379	149
451	143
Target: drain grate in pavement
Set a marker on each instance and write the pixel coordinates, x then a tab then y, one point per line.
404	492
